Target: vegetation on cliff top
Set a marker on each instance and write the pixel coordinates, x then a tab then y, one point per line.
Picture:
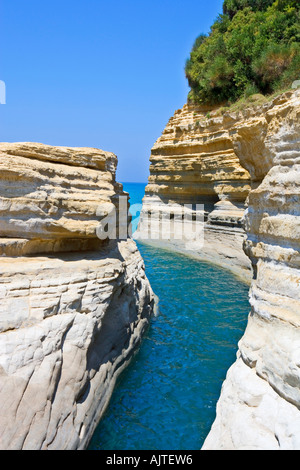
253	47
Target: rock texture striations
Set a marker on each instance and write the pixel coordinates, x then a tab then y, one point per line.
244	167
73	307
51	198
195	163
260	399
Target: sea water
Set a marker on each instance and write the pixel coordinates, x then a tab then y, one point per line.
166	398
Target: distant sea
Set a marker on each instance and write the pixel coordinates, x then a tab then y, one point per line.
166	399
136	193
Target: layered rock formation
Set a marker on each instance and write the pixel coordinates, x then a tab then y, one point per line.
195	163
244	167
260	399
52	198
73	307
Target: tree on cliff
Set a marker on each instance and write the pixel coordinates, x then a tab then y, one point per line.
253	47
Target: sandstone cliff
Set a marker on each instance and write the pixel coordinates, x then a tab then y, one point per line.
193	163
244	167
260	399
73	307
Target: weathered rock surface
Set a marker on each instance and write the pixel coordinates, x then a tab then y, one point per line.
51	198
195	163
194	159
188	231
70	319
260	399
244	168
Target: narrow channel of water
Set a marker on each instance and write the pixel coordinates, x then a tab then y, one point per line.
166	398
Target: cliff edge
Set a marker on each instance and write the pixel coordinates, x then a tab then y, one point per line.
194	164
243	168
260	399
73	307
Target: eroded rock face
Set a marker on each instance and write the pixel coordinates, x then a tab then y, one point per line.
195	163
70	319
194	159
244	168
51	198
260	399
214	160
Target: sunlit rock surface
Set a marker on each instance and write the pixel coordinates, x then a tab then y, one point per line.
260	398
73	307
195	163
243	171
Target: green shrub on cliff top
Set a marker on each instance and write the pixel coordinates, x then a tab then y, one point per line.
254	44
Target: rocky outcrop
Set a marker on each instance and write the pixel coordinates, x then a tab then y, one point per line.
244	168
260	400
195	163
52	198
73	307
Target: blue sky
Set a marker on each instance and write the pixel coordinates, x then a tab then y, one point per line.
93	73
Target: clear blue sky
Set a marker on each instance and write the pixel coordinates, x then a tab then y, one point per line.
93	73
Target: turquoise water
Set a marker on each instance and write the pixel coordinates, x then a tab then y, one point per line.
166	398
136	192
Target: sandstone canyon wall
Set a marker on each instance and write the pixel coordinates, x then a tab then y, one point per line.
245	168
260	398
193	163
73	307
